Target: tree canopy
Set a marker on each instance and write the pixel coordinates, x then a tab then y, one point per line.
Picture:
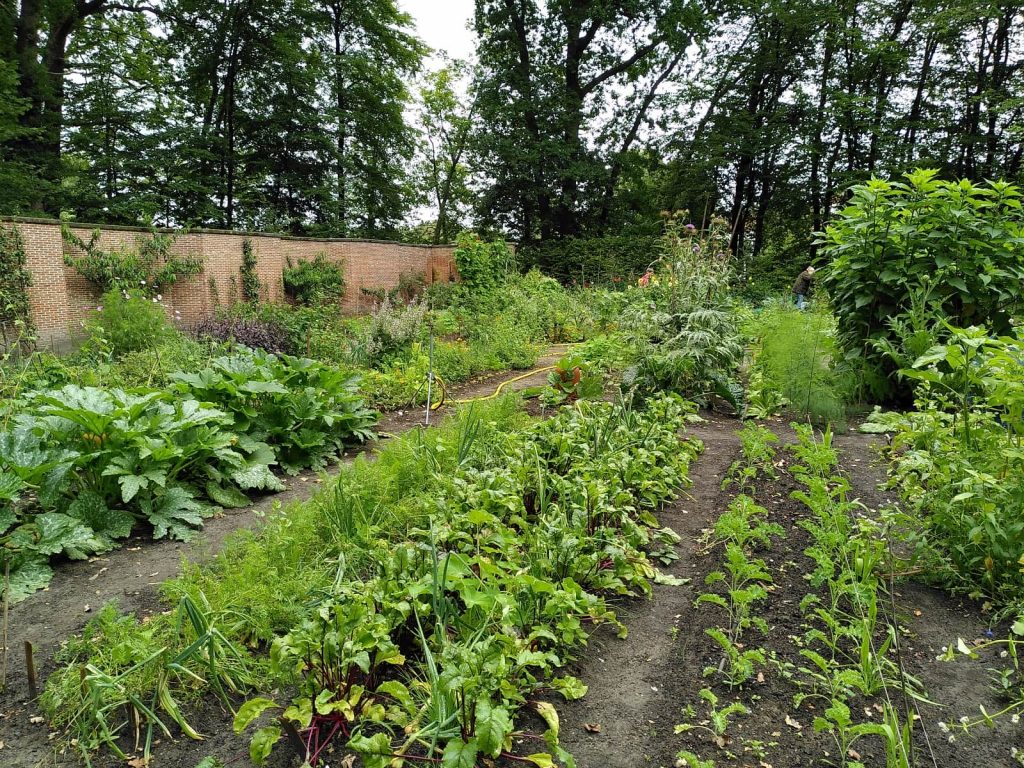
573	120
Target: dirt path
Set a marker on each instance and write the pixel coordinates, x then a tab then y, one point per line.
636	685
132	575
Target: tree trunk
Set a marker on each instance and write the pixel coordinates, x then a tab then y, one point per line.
340	104
914	118
817	145
884	81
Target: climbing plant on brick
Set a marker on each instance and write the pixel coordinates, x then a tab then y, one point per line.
15	322
150	265
251	285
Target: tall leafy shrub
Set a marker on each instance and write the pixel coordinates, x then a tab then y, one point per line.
680	324
319	281
951	246
15	325
127	321
482	265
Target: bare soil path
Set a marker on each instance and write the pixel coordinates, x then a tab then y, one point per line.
132	575
636	685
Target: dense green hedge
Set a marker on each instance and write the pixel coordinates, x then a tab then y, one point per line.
592	260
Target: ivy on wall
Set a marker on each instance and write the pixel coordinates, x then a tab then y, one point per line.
251	285
15	319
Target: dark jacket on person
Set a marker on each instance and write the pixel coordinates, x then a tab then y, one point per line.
803	283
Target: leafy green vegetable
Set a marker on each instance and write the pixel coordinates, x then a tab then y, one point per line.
303	409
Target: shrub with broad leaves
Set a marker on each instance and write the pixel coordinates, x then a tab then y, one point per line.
303	409
946	250
80	466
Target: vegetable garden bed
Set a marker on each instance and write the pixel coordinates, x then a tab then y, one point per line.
640	689
132	576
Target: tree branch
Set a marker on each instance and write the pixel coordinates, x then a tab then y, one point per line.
621	67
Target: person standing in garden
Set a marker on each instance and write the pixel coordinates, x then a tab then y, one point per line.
802	287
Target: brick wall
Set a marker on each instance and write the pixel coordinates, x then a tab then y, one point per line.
61	299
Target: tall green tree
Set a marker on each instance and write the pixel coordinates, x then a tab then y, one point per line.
446	124
370	55
566	91
114	120
36	35
19	187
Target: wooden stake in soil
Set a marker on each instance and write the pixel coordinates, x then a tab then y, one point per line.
30	669
7	603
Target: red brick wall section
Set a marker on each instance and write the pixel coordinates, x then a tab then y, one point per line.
61	299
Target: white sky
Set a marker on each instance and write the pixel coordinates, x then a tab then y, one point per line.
442	24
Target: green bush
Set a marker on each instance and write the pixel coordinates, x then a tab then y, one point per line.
957	463
127	321
482	265
315	282
456	360
154	365
950	247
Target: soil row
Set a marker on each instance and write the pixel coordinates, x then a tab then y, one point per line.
640	688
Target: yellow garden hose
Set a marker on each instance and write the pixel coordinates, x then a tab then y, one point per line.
532	372
496	392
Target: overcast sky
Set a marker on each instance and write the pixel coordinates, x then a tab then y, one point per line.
441	24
